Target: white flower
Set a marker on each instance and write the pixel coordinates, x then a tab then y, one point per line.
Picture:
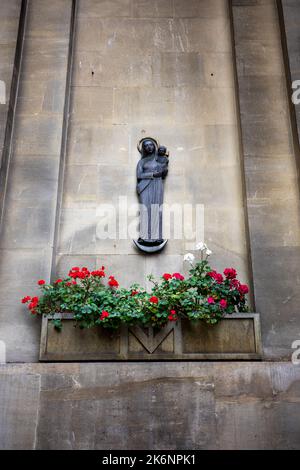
208	252
201	246
189	257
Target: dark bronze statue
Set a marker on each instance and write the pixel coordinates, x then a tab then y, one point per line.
152	169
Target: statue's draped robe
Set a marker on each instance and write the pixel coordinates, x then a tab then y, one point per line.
150	191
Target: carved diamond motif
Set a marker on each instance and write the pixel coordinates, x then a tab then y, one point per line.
149	339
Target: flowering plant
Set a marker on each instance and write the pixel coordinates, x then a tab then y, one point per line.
204	295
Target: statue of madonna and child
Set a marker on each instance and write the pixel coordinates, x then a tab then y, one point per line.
152	170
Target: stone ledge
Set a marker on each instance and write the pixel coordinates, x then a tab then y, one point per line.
161	406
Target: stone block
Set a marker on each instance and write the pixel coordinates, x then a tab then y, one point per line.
34	181
9	28
269	180
198	35
104	8
127	269
249	19
155	9
120	35
143	105
81	186
177	69
267	137
56	28
280	226
37	135
200	9
259	59
204	106
41	97
37	224
218	69
77	231
94	104
7	63
18	410
125	70
260	95
91	144
44	65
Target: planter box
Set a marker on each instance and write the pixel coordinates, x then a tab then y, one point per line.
236	337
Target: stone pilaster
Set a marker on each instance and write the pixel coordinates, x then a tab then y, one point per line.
28	224
270	172
9	21
290	11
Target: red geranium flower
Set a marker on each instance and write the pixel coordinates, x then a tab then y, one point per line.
230	273
216	276
172	318
98	273
113	282
25	299
33	304
178	276
77	273
173	312
154	300
58	281
167	276
134	292
223	303
211	300
243	289
235	284
41	282
104	315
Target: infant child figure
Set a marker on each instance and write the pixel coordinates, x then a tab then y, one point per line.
163	159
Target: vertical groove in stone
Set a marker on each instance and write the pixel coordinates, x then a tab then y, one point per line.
64	135
7	147
238	111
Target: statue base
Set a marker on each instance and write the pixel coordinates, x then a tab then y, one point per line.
150	246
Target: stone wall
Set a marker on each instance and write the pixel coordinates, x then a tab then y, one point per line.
150	406
152	69
216	75
216	95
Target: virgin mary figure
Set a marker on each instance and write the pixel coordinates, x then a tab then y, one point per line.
152	169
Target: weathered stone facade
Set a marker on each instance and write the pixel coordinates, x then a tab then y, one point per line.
85	80
150	406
